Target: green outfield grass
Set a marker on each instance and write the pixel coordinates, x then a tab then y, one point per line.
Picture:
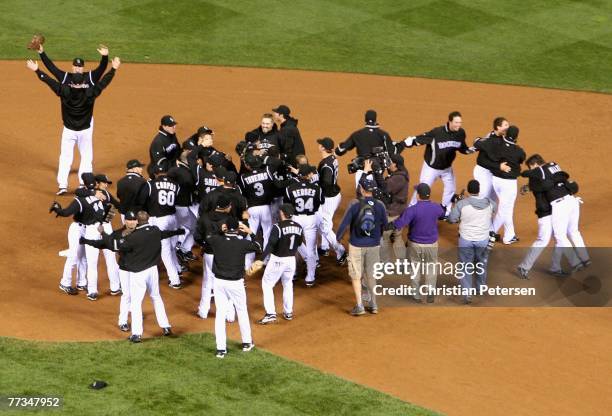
182	376
555	43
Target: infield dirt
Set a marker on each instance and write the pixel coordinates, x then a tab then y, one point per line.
457	360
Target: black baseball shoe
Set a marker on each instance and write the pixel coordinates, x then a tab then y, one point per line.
513	240
559	273
61	191
221	353
267	319
523	273
310	283
188	256
115	292
176	286
135	339
247	346
124	327
166	331
288	316
68	289
81	288
322	253
342	260
92	296
184	268
586	263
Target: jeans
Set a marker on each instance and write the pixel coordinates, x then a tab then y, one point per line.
471	253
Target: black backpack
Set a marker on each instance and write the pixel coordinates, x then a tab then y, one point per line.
366	218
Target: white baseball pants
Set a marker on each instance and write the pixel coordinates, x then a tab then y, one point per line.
429	175
140	282
505	189
84	141
207	290
308	249
124	303
185	219
325	225
485	179
283	269
565	219
227	291
75	256
92	254
168	254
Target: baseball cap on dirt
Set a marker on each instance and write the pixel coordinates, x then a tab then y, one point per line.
223	202
130	216
282	109
134	163
370	117
168	121
78	62
229	177
204	130
423	190
326	142
89	180
103	178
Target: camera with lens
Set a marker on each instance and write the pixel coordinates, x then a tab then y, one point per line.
380	161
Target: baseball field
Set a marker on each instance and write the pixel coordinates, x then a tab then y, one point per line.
544	65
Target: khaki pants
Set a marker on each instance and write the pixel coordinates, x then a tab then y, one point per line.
398	245
426	255
361	267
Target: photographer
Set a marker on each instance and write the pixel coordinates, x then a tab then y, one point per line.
475	217
371	142
397	188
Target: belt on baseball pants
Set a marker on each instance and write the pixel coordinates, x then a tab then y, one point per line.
560	199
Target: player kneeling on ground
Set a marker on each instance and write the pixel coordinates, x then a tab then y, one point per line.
285	238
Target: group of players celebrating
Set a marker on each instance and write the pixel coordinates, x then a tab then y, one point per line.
269	201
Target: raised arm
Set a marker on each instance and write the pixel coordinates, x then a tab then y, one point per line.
96	74
106	79
55	86
55	71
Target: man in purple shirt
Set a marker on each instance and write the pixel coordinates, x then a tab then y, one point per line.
422	222
365	218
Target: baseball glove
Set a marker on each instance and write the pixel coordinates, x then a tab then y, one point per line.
36	41
54	206
110	214
255	268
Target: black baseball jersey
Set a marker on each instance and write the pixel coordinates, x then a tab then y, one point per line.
229	252
91	77
285	238
257	187
549	179
181	174
328	176
290	140
513	155
164	151
77	103
442	146
265	140
209	224
86	210
483	144
129	190
109	202
306	197
365	140
161	198
142	248
111	242
209	202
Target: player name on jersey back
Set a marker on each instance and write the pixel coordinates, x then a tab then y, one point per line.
304	192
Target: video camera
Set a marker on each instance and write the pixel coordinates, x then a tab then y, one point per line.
380	161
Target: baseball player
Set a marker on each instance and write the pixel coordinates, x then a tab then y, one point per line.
130	187
285	238
229	252
484	165
185	217
112	242
142	251
565	215
165	148
306	198
203	134
228	188
442	144
77	100
91	77
290	140
509	156
328	181
160	195
266	135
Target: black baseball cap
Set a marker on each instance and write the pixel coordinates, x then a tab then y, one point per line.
287	209
282	109
134	163
473	187
326	142
160	169
253	161
512	133
367	184
130	215
78	62
397	159
219	171
89	180
423	190
204	130
216	159
370	117
230	177
168	121
103	178
304	170
231	223
223	202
